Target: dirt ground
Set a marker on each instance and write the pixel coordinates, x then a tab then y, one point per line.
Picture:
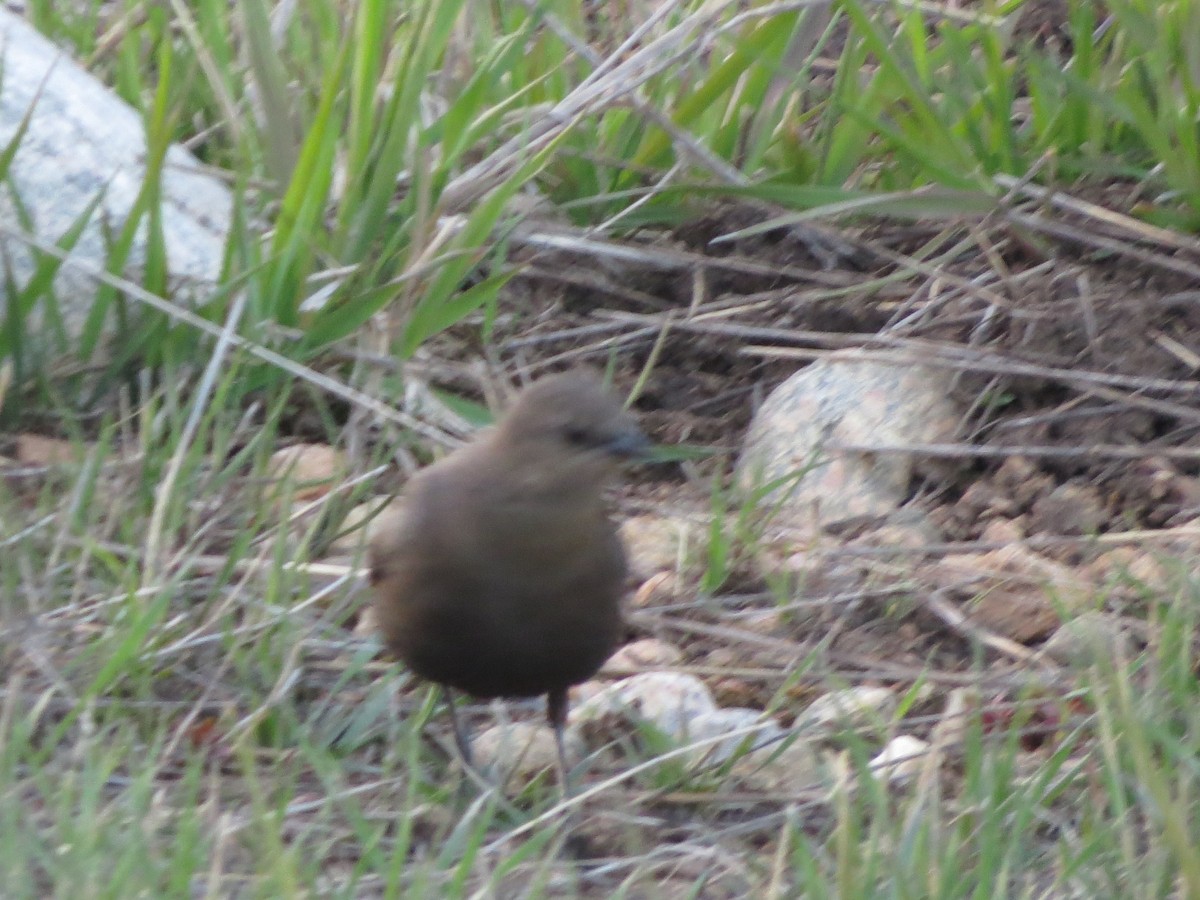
1075	338
1060	346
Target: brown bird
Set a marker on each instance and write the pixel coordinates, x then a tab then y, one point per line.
503	574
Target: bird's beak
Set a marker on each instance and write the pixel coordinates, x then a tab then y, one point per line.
631	445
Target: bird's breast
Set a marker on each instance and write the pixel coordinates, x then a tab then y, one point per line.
499	591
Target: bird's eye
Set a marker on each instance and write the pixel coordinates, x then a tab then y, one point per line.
576	436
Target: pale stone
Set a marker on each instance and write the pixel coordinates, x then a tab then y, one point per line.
749	732
668	701
844	399
638	656
785	768
656	543
1092	636
82	144
857	707
356	527
516	753
901	760
36	450
308	470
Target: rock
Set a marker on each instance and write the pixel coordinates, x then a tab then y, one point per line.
1185	491
982	500
516	753
1092	636
1148	569
656	590
308	470
815	569
669	701
721	665
844	399
1168	497
764	622
84	143
657	543
905	529
1021	615
901	760
955	721
824	567
1111	565
858	707
1002	531
784	768
1068	509
36	450
1144	568
750	732
647	653
723	657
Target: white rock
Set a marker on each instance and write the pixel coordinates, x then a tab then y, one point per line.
647	653
749	732
783	768
844	399
851	708
516	753
901	760
83	142
669	701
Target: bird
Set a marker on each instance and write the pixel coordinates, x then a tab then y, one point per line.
502	574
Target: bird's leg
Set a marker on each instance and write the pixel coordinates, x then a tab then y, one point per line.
556	713
460	736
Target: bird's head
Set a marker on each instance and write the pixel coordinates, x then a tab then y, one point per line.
573	423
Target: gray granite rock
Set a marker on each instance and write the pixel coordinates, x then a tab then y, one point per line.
1092	636
850	400
82	142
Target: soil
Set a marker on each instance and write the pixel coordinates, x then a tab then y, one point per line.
1076	376
1100	349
